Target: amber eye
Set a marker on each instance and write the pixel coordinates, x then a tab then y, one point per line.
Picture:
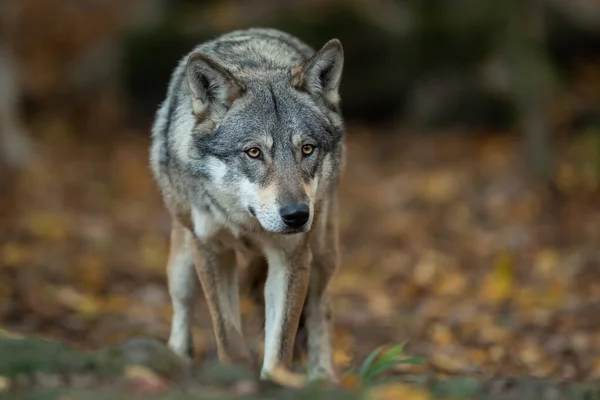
308	149
253	152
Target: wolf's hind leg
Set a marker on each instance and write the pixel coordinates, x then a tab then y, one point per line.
183	285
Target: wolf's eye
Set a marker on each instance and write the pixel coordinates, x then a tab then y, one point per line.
308	149
253	152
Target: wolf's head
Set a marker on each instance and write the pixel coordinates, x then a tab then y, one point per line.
267	141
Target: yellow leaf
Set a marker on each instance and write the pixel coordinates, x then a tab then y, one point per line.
85	305
146	380
50	226
396	391
13	254
139	371
425	271
498	286
530	354
341	357
453	284
350	381
285	377
4	384
380	304
441	334
546	261
439	186
451	363
414	369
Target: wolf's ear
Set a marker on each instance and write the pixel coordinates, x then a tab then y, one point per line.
211	83
322	73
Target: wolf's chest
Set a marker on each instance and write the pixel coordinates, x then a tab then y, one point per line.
220	235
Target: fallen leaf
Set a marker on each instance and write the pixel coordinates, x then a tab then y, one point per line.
341	357
441	334
285	377
144	380
439	186
530	353
85	305
350	381
398	391
49	226
498	286
546	262
13	254
4	384
450	363
454	283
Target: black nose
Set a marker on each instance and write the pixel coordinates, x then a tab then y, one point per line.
295	215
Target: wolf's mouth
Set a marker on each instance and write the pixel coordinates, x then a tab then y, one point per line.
293	231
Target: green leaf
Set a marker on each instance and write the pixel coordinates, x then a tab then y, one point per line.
379	368
369	360
387	361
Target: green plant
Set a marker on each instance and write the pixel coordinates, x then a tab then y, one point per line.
381	360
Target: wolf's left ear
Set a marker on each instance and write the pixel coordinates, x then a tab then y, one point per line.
211	84
322	73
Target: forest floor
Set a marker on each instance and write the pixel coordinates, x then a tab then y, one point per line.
447	245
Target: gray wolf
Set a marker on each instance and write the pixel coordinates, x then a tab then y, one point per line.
247	150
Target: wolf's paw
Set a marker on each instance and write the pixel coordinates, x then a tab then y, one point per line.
284	377
324	377
184	349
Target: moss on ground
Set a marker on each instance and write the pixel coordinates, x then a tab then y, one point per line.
36	368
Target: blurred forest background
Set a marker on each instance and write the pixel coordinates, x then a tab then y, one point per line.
470	206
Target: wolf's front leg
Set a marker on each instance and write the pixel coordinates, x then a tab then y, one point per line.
218	276
183	284
285	292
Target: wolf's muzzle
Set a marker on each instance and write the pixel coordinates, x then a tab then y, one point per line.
295	215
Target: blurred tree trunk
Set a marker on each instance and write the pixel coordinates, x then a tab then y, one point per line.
15	143
15	146
531	79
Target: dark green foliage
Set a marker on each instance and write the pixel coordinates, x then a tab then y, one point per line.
26	356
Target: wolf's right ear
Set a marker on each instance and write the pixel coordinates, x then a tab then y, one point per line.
210	83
